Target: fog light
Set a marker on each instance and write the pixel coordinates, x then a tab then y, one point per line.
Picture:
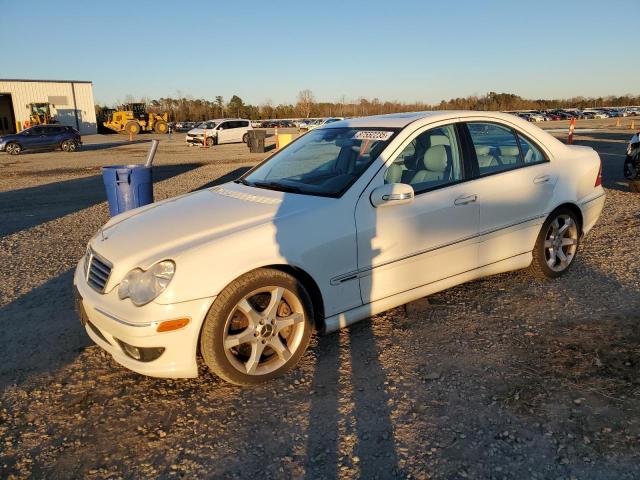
142	354
132	351
170	325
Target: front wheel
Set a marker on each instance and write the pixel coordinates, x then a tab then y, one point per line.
132	128
258	328
161	127
557	244
13	149
211	141
69	146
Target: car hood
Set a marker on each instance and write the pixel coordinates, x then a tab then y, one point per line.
141	236
10	136
198	131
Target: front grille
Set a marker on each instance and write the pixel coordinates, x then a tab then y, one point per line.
97	271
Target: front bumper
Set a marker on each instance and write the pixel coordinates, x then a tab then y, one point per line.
198	140
109	321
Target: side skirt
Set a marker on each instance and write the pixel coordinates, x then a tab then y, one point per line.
344	319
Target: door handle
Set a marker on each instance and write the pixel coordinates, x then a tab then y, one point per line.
465	200
542	179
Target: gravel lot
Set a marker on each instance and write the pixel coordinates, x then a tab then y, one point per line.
506	377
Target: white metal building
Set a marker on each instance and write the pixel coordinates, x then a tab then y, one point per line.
70	103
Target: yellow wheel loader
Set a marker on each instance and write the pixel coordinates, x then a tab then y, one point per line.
133	118
40	114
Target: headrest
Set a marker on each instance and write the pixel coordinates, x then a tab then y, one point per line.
483	150
394	173
439	140
435	159
509	151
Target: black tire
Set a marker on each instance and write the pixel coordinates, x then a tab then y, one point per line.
245	138
215	325
211	141
69	146
161	127
539	266
132	128
13	148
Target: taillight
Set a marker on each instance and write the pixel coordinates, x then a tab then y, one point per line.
599	177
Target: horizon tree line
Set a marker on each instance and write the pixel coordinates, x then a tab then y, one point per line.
190	109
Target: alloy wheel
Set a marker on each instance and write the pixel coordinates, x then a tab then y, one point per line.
561	243
264	330
13	149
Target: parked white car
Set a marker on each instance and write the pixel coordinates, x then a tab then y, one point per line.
536	117
347	221
225	130
322	122
596	114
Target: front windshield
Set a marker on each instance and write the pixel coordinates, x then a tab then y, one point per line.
325	161
207	125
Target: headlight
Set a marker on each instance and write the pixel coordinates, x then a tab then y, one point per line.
143	286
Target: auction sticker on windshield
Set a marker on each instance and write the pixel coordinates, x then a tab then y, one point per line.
382	135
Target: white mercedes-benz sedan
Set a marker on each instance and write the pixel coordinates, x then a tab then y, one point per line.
350	219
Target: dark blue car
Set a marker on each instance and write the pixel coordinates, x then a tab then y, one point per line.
41	137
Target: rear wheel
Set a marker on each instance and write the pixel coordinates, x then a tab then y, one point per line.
161	127
132	128
13	149
557	244
69	146
258	328
245	138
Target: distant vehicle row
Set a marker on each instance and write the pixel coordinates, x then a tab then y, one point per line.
568	114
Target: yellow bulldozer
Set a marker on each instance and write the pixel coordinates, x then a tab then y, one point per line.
133	118
40	114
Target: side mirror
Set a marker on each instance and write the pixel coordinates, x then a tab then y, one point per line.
392	194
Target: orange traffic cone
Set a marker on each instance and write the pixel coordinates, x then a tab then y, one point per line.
617	121
572	127
633	124
204	140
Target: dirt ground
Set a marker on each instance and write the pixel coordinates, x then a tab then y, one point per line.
501	378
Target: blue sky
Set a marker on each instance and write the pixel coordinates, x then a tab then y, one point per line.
392	50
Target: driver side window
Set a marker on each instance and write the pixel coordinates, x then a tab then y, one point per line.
432	159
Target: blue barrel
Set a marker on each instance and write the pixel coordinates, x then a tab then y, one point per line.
128	187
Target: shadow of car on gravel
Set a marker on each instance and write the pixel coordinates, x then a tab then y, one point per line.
27	207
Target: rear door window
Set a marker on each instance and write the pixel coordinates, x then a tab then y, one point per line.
496	147
530	153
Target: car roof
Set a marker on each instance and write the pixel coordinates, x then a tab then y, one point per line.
401	120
